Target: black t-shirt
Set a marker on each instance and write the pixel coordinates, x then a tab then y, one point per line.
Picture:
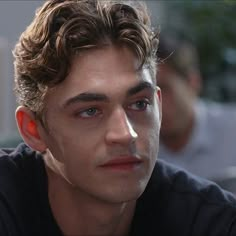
174	202
24	205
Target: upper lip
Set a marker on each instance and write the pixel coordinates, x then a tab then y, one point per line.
122	160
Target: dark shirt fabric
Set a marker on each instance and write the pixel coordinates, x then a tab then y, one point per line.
174	202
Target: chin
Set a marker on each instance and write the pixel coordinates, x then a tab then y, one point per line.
128	193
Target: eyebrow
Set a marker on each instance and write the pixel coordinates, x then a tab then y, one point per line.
90	97
140	87
86	97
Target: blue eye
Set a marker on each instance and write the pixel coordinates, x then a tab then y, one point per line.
139	105
90	112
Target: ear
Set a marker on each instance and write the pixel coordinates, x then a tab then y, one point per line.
29	128
159	96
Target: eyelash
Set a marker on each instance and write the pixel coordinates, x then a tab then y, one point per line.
84	114
143	102
86	111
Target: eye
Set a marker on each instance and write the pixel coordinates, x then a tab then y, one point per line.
89	113
140	105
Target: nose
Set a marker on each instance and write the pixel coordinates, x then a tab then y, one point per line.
120	130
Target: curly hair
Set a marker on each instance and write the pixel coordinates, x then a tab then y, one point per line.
63	28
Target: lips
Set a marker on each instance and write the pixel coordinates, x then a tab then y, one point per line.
122	163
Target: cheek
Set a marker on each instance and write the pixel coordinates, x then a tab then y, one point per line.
151	147
72	154
154	138
150	134
64	142
72	136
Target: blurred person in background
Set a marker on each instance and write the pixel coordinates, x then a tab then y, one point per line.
195	134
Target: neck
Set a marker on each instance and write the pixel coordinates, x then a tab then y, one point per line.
78	213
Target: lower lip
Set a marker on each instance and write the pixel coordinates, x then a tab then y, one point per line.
122	166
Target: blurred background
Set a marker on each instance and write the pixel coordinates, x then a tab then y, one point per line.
209	24
14	17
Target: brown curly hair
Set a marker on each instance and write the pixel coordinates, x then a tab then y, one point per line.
63	28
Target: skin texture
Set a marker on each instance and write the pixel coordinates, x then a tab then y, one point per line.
105	110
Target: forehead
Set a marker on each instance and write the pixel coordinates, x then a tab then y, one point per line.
109	70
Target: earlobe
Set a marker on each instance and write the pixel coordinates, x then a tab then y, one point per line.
28	128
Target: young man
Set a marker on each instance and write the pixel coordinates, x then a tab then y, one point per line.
195	134
90	116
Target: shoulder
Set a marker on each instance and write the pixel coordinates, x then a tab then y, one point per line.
167	178
16	161
188	205
17	189
18	168
180	181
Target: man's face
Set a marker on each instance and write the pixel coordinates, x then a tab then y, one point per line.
177	100
103	124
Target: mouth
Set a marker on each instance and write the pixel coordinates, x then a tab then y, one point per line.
124	163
